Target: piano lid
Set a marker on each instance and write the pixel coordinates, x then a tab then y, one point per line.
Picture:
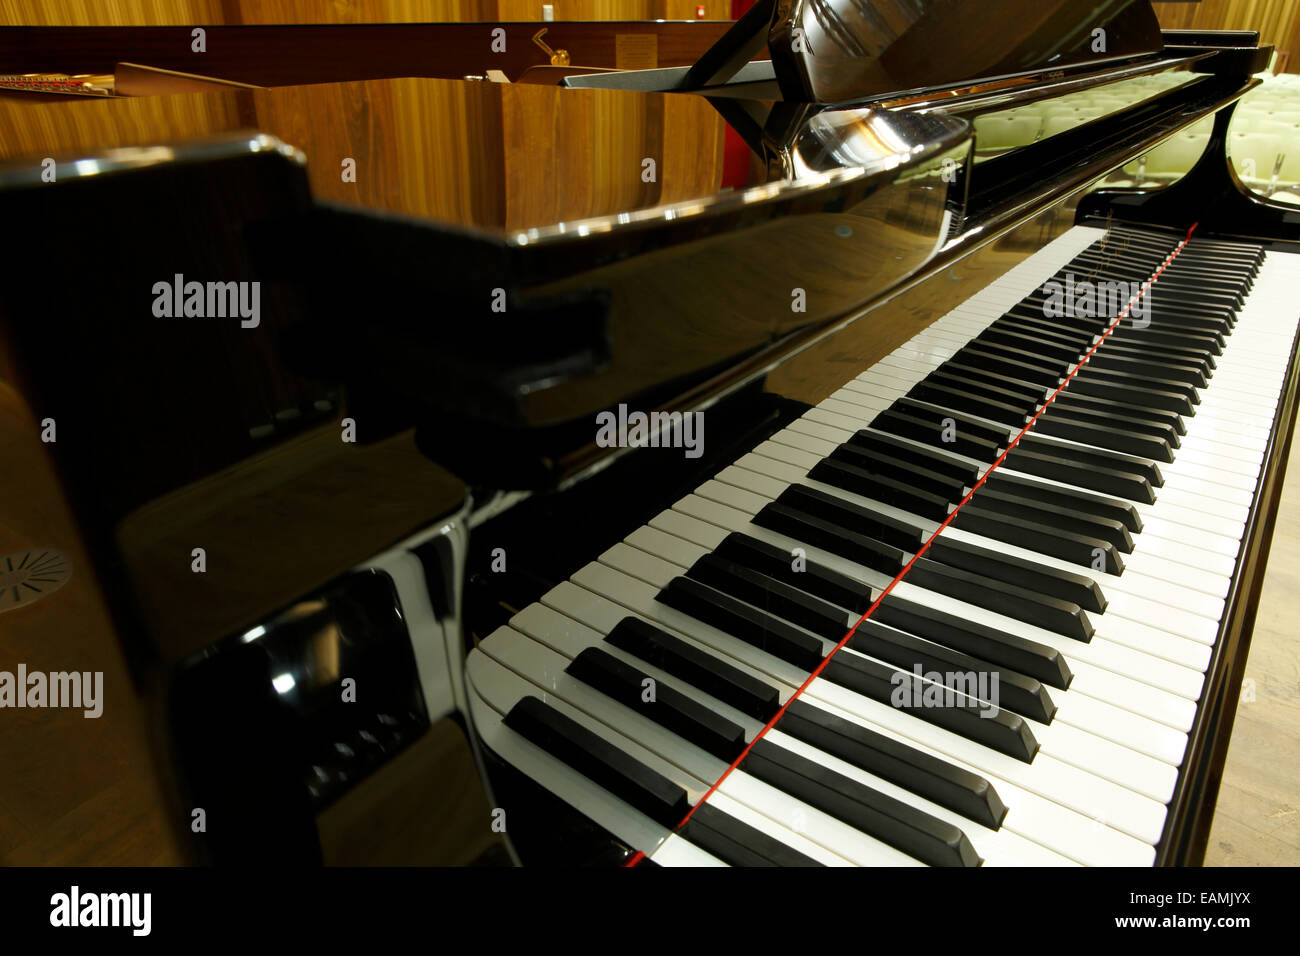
833	50
836	51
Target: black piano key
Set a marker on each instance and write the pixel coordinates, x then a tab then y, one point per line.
1105	480
1094	456
697	667
970	402
1204	300
1031	395
812	577
1208	345
978	640
1104	407
830	536
743	621
1050	369
1076	428
1016	692
1019	396
667	706
1024	352
982	723
1067	519
1163	326
1141	381
928	428
785	600
1086	502
914	832
1040	327
920	773
932	459
1036	345
894	532
1162	369
890	491
1075	548
1144	424
1201	308
1159	315
1194	358
1021	604
599	760
1135	396
1076	587
1004	365
737	843
1182	268
908	471
986	431
1088	327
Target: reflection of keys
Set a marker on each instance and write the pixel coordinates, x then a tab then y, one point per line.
84	85
558	57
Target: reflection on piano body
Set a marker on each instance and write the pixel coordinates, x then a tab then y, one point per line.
383	598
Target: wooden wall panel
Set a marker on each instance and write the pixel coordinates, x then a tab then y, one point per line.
432	11
179	12
118	13
1278	21
60	128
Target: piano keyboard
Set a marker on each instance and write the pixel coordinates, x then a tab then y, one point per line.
1088	574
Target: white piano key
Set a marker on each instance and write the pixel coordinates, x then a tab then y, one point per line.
677	852
1061	808
593	801
1141	682
545	659
1095	791
1163	673
1120	725
657	749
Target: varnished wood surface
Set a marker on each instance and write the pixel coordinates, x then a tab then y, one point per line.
275	527
820	370
1278	21
1257	818
426	807
267	55
484	154
182	12
73	791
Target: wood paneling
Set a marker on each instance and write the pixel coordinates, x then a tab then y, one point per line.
1278	21
117	13
410	11
73	790
183	12
1257	819
63	127
487	154
330	53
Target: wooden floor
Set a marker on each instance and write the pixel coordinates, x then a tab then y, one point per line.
1257	820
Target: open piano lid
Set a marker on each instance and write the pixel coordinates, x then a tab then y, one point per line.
559	295
661	304
833	51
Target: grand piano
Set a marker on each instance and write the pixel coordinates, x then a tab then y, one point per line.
812	448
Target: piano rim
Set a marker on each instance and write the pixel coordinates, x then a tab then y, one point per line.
1190	815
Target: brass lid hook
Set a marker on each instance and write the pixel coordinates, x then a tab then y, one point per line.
558	57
